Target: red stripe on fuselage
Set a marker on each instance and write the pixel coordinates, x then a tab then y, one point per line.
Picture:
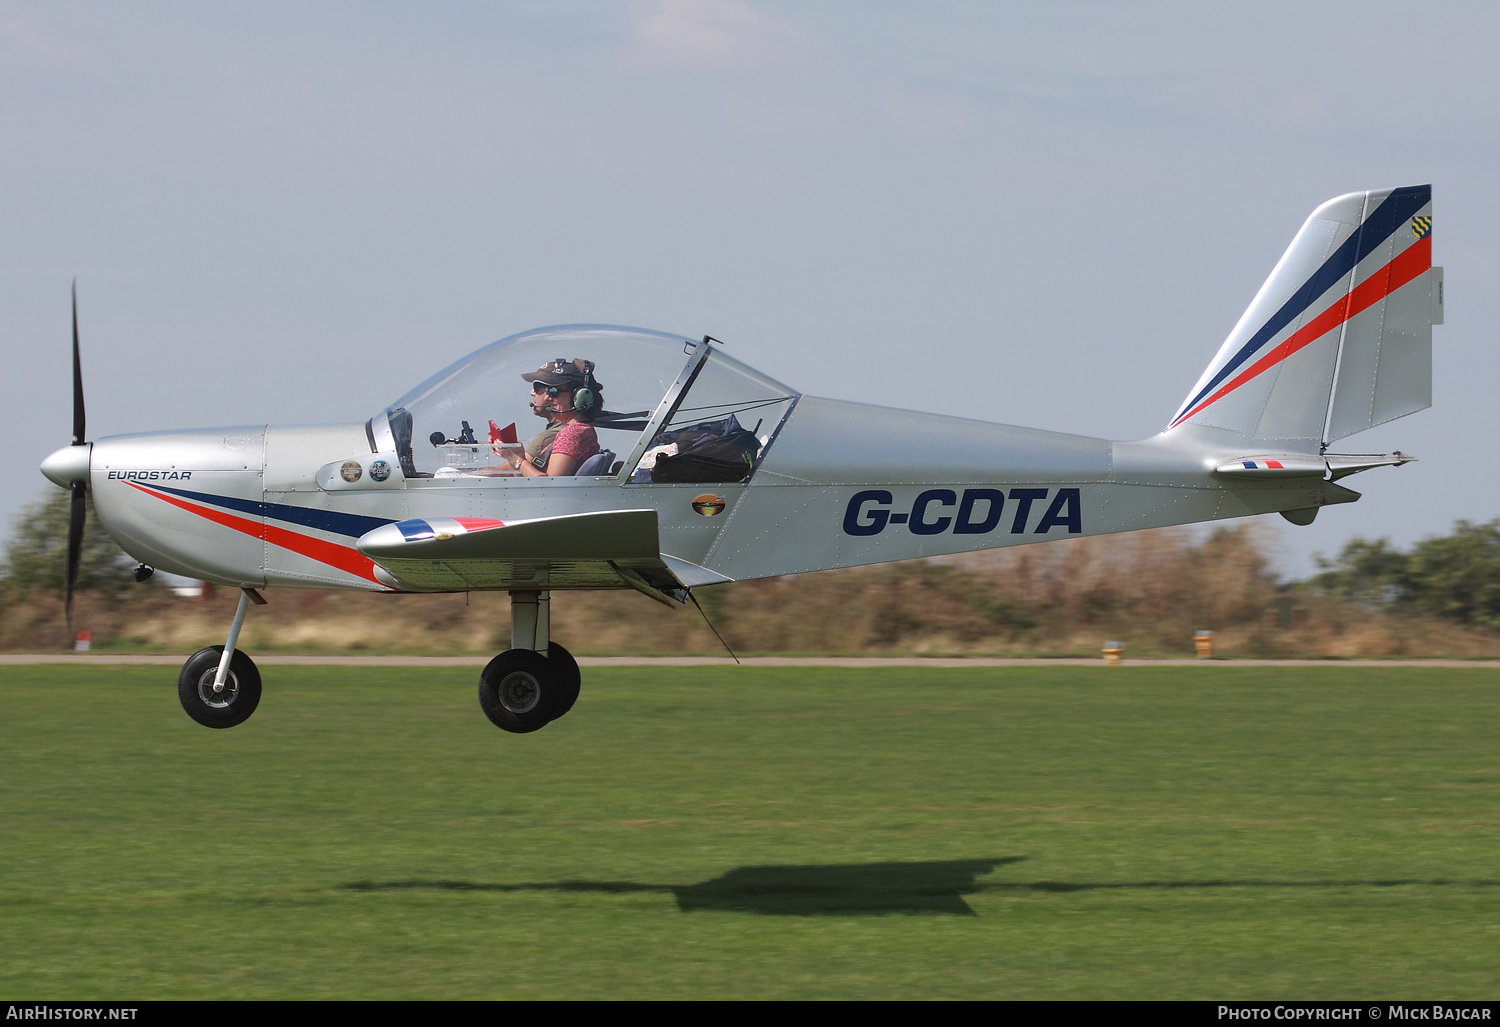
1411	262
341	557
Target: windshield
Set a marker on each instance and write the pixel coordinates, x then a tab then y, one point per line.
470	416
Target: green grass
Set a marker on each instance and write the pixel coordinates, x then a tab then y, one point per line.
757	833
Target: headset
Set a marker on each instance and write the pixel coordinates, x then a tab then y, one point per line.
587	398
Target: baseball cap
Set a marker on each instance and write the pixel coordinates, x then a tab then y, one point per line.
569	374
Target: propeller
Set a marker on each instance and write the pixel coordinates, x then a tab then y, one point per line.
78	430
77	503
76	509
69	467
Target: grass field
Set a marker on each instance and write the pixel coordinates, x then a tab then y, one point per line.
757	833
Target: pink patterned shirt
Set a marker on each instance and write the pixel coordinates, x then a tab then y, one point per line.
576	440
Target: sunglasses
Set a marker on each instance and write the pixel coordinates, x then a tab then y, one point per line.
540	387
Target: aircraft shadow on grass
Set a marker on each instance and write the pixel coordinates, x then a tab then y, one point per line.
934	887
856	889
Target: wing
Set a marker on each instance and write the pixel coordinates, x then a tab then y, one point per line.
609	549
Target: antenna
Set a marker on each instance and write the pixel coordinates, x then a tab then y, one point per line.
712	628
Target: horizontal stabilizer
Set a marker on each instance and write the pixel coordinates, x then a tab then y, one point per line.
1282	466
1343	464
1300	465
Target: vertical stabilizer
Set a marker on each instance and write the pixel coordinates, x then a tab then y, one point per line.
1339	338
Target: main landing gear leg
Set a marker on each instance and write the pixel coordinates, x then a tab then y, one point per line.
220	686
536	680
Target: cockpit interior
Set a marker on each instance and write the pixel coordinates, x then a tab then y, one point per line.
671	410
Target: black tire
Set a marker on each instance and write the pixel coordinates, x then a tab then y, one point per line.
228	708
518	691
565	672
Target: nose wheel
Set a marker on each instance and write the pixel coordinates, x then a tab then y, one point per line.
220	686
212	703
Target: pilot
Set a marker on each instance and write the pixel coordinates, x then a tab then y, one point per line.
566	393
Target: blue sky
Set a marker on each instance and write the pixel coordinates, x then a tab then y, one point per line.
1043	214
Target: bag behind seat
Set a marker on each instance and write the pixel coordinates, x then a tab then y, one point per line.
714	452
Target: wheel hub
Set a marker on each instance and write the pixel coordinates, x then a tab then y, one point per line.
219	697
520	692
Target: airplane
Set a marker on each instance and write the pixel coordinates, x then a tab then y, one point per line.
709	471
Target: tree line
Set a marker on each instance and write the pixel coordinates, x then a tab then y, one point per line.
1455	577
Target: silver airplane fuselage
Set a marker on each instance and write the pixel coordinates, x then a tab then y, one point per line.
244	506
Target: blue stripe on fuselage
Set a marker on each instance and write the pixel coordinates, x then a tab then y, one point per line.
353	525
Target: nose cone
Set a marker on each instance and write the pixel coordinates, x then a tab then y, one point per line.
69	464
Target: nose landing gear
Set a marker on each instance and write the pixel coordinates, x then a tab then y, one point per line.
220	686
535	681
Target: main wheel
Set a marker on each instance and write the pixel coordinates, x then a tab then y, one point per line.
229	706
569	680
518	691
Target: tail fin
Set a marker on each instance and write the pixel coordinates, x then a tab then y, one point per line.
1339	338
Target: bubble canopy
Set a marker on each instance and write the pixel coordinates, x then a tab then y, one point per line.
652	387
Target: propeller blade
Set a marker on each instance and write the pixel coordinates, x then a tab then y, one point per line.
79	436
77	507
78	489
